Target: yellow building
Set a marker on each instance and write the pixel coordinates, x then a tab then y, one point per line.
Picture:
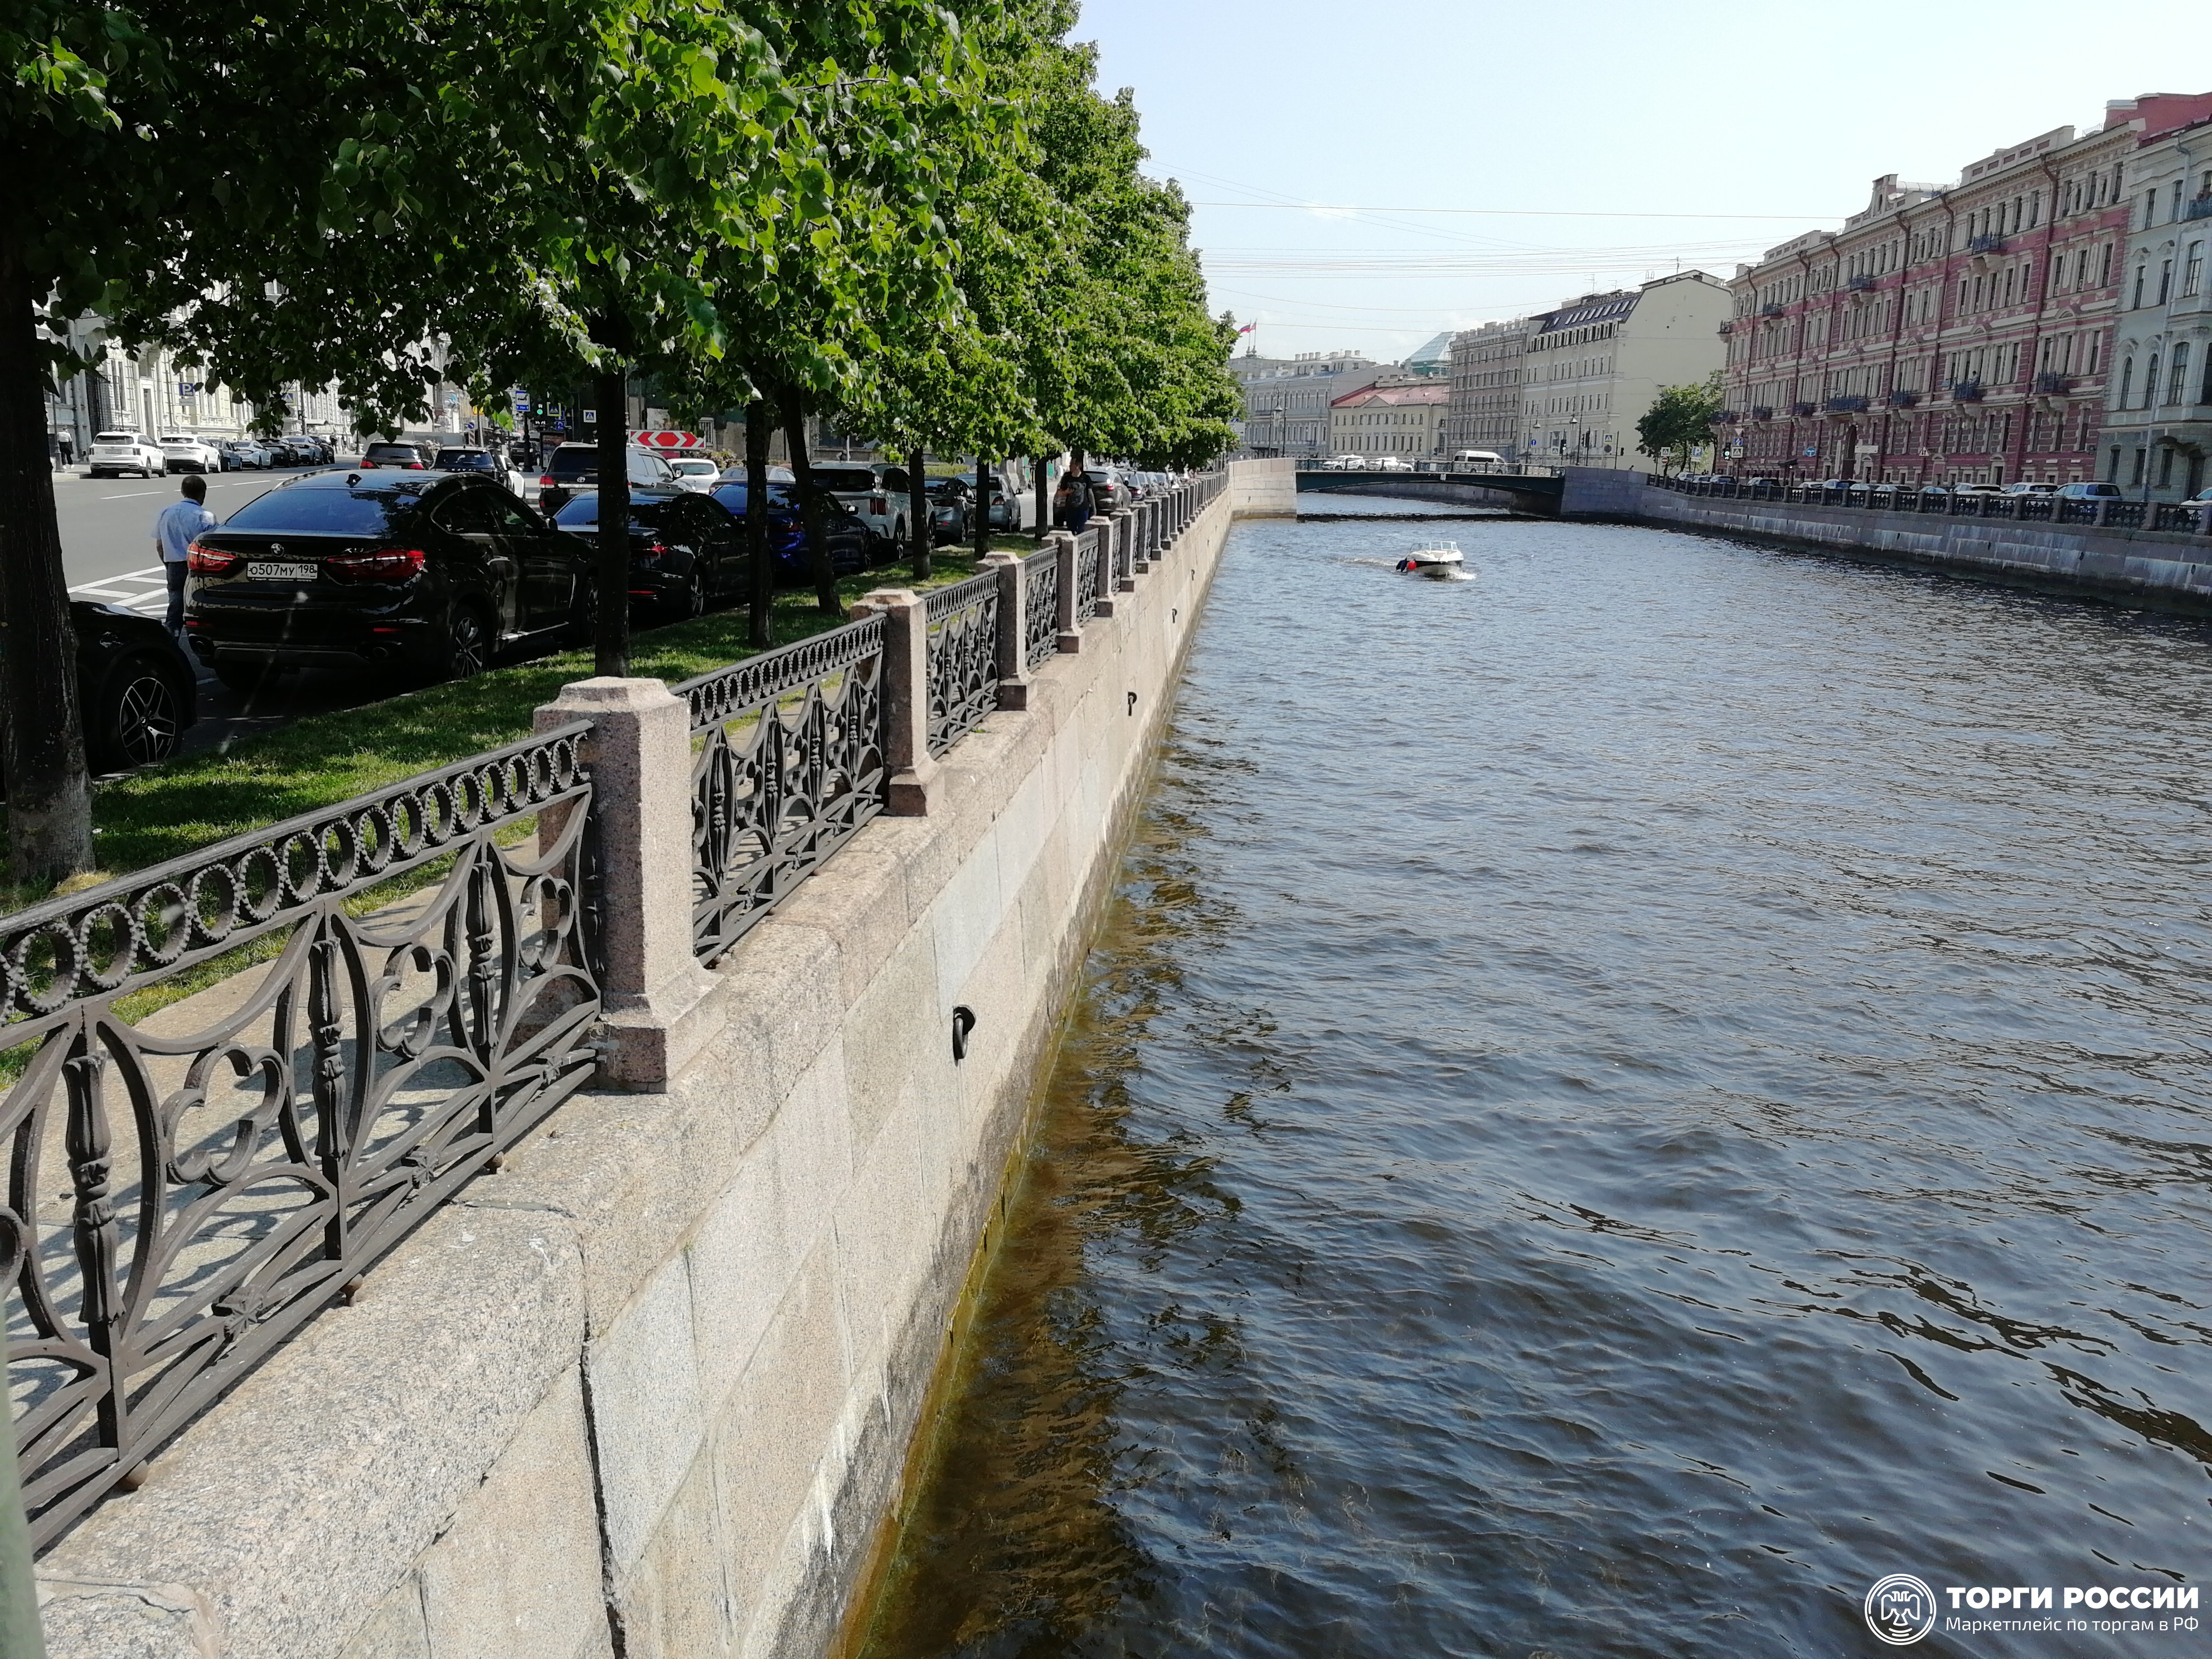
1402	419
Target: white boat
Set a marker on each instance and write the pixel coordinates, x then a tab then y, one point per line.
1438	558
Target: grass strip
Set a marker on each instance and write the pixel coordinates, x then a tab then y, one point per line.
167	810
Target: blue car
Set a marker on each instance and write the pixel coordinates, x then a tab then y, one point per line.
846	532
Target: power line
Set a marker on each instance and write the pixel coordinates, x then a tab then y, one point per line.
1512	213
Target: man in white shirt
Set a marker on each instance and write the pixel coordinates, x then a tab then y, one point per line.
180	521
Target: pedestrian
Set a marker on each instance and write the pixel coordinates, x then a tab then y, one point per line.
68	442
180	522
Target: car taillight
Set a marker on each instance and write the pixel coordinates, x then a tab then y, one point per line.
878	505
392	565
546	483
209	561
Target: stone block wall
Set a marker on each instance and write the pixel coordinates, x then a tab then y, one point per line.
649	1389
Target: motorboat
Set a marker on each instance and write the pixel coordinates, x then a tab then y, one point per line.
1437	559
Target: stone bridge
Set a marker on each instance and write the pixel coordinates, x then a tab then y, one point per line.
1571	492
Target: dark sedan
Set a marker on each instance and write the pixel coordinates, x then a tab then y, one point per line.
851	541
135	687
432	572
685	549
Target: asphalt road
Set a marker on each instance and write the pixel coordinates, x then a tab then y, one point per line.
107	554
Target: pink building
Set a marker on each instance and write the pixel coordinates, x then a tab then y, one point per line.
1947	333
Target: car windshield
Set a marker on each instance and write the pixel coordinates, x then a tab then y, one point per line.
849	481
733	496
324	512
389	452
573	463
115	437
465	460
696	469
582	512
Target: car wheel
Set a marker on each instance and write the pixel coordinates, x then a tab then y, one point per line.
139	716
695	598
468	644
898	544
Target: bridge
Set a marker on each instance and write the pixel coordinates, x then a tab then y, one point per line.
1522	492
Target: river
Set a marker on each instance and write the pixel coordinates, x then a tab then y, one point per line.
1618	1102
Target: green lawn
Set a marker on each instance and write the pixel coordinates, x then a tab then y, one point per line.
167	810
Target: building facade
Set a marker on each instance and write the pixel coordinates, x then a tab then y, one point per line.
2158	414
1287	412
1595	365
1484	411
1401	415
1957	333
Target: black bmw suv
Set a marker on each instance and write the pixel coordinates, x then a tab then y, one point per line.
434	572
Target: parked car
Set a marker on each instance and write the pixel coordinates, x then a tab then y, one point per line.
573	467
685	549
950	501
1346	464
2031	487
405	457
436	573
114	453
186	451
1109	489
481	461
2090	489
1390	463
1976	489
242	453
852	544
876	495
696	473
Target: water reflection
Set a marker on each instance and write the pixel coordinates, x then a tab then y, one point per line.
1620	1102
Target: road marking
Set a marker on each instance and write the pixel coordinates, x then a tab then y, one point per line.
150	596
128	495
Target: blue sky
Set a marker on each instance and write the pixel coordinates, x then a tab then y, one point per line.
1597	144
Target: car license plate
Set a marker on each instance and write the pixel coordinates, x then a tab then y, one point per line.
276	570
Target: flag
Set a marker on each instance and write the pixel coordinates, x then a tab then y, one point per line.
1248	328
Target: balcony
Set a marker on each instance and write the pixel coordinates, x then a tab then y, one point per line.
1989	243
1851	403
1968	391
1770	311
2051	383
1861	284
1728	418
1804	409
2201	207
1902	398
1762	413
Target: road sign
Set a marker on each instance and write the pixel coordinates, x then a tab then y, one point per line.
591	418
666	440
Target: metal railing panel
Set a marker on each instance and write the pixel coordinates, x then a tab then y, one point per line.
240	1078
776	791
964	657
1040	607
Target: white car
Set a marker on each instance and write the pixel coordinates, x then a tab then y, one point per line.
246	455
1391	463
878	495
696	473
186	452
114	453
1348	464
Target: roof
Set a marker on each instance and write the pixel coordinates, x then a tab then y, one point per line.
1437	351
1395	396
1590	309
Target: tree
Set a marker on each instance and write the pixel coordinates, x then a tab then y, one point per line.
1681	418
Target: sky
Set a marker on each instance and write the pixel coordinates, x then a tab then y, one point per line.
1503	158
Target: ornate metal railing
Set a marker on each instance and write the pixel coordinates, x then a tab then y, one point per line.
2072	511
964	657
2125	515
1087	578
1908	498
240	1078
1040	607
776	791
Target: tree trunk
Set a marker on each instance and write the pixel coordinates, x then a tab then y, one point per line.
983	507
611	642
793	403
758	424
1043	492
917	513
49	796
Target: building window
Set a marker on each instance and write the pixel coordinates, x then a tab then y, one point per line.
2127	382
2192	271
2177	380
2143	274
2136	476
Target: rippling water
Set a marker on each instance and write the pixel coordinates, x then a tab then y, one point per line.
1621	1101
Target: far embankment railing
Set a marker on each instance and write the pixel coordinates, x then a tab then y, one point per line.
237	1080
2187	518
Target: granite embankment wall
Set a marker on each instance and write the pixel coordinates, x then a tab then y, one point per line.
2165	569
649	1389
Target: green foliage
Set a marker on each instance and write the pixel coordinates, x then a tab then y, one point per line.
1681	418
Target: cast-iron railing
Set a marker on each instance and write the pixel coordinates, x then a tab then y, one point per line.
1040	607
2050	383
242	1077
788	765
2170	516
1903	398
2073	510
1849	404
1967	391
2124	515
964	657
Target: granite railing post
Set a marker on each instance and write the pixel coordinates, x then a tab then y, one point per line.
913	769
1064	618
1013	643
1141	557
1124	555
651	985
2099	519
1102	549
